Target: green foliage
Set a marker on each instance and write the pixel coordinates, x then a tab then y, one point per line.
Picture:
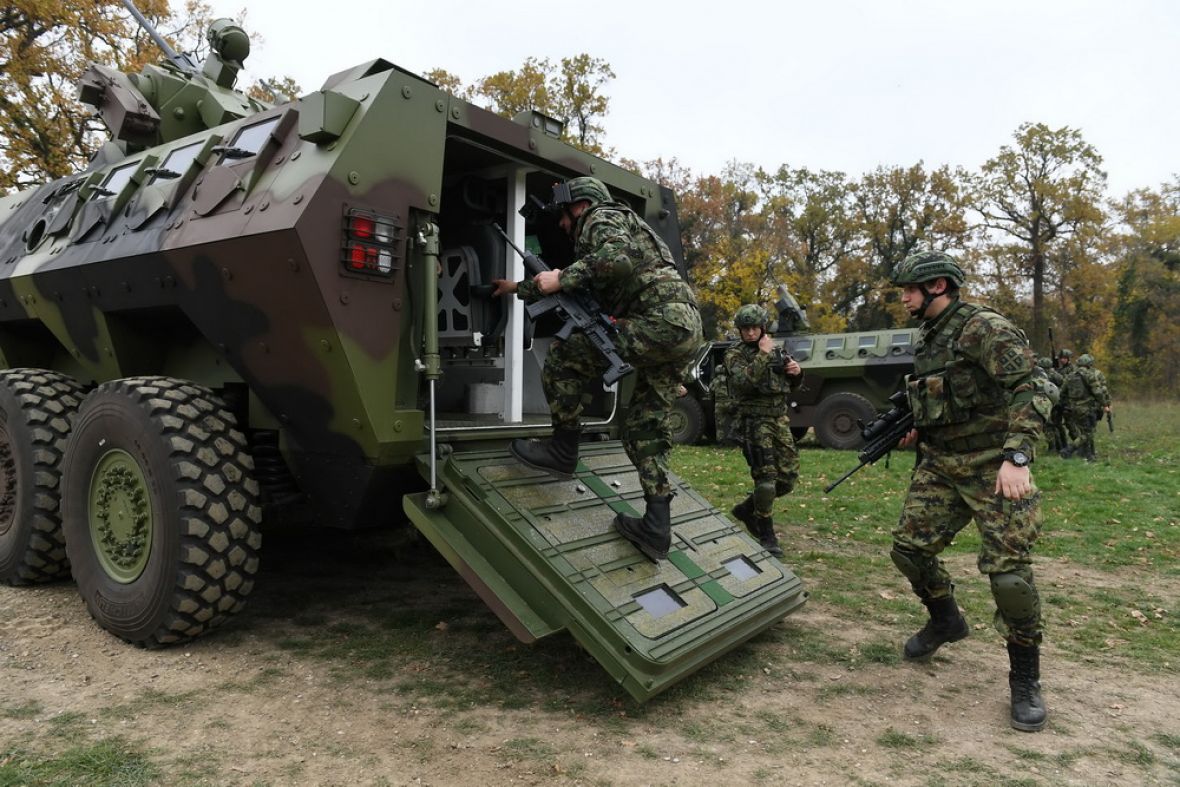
112	762
1108	522
572	92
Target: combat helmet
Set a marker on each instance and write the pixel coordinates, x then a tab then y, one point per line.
574	190
923	266
1086	360
751	315
1065	352
1045	363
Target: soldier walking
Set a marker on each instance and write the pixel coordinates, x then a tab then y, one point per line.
978	415
1085	399
1054	430
759	379
630	272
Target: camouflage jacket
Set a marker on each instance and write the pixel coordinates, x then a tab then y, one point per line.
973	385
621	261
1084	389
755	385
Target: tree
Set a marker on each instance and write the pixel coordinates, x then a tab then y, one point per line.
1041	191
571	93
1145	335
44	47
900	209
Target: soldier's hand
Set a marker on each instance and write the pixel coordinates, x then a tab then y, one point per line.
910	438
501	287
765	344
793	368
548	282
1014	483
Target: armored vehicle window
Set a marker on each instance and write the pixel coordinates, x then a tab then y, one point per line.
902	339
249	140
115	182
867	341
176	163
835	343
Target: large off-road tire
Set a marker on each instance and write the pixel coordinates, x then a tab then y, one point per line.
687	419
37	408
160	509
836	420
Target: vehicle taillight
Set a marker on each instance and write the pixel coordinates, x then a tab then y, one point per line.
371	244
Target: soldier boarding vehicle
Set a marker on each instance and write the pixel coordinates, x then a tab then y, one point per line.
239	305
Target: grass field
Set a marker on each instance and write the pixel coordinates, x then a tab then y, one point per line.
1119	515
359	662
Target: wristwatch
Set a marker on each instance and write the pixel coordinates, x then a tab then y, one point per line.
1018	458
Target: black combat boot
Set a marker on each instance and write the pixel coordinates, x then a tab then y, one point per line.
1024	679
946	624
744	513
652	533
557	455
766	536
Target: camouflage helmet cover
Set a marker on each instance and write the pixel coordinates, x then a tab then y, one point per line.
751	315
1065	352
1086	360
923	266
573	190
1045	363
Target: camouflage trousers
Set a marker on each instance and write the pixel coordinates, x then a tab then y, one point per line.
1080	426
770	452
660	343
948	490
1055	431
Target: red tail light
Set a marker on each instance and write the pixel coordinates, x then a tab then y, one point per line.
372	243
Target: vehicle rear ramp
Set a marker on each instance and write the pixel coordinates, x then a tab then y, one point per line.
542	552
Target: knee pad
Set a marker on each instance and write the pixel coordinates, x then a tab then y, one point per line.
910	567
782	487
1016	597
764	495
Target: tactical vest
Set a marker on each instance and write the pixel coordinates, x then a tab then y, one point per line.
654	279
767	397
953	398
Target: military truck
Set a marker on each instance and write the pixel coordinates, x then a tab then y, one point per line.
240	307
848	378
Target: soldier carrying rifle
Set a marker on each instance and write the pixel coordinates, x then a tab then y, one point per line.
977	414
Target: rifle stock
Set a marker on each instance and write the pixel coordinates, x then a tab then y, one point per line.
578	313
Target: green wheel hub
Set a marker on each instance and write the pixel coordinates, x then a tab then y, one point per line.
120	516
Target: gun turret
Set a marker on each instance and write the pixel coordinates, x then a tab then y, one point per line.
173	99
792	318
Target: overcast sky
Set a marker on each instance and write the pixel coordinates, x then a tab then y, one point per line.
847	85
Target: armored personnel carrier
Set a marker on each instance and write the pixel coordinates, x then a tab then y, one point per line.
237	306
848	378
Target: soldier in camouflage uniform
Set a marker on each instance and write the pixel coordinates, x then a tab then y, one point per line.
627	268
1085	399
760	378
978	415
725	419
1054	431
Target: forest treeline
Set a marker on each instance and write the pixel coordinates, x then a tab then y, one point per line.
1035	225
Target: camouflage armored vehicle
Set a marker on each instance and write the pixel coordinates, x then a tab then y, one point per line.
848	377
237	306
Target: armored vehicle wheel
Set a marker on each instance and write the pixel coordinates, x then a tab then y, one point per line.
836	420
687	419
37	408
160	509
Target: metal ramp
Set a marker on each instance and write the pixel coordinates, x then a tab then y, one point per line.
543	554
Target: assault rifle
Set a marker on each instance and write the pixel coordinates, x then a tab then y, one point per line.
1110	420
579	312
882	435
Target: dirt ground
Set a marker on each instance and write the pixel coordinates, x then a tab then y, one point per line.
411	691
